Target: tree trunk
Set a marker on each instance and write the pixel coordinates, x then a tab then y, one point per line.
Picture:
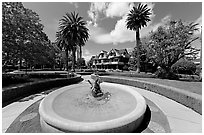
80	52
138	50
66	53
73	58
26	65
20	64
80	55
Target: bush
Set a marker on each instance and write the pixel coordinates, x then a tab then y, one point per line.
8	79
148	67
184	67
163	74
198	70
125	68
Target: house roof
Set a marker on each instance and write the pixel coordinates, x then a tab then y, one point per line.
102	51
121	52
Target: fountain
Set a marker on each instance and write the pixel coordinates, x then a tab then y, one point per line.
104	107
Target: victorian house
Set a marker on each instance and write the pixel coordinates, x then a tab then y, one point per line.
114	59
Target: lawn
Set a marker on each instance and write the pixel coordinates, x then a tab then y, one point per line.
195	87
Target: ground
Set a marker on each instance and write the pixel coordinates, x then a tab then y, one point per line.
165	116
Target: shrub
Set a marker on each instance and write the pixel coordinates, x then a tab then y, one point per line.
163	74
125	68
8	79
148	67
184	67
198	70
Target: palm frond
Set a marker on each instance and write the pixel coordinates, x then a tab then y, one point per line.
138	17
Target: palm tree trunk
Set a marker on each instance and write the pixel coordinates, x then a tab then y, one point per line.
80	55
138	50
66	53
73	58
20	64
80	52
26	64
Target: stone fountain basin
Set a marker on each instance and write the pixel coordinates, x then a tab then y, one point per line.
73	109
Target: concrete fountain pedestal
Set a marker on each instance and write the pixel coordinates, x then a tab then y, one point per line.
74	109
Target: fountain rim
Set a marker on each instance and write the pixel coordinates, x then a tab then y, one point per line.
55	120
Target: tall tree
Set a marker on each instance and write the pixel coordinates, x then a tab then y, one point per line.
200	75
138	18
63	44
72	32
170	43
22	35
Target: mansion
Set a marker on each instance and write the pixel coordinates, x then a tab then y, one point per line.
114	59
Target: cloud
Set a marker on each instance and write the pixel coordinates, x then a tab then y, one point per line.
152	27
150	5
86	55
75	4
199	21
98	34
120	34
118	9
86	52
130	49
95	9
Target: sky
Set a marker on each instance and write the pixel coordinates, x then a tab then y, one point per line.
106	21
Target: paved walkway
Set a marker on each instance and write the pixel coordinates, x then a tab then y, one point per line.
181	119
12	111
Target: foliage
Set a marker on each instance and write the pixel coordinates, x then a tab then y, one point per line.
80	62
136	19
72	33
184	67
22	36
164	74
8	79
170	43
199	71
125	67
146	64
90	63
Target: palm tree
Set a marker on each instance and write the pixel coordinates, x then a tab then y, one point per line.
80	49
72	33
63	45
137	18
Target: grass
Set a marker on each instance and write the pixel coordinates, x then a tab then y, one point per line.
195	87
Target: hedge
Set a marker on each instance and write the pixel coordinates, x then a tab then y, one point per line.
11	94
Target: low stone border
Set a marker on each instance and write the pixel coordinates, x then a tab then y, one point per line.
131	74
10	94
190	100
84	73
